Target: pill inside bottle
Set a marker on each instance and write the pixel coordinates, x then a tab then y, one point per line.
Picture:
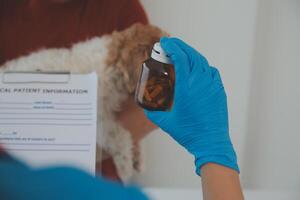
155	87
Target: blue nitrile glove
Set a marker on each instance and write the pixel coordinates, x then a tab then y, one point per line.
18	182
199	118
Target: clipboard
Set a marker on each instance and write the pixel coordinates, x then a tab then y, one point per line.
46	128
10	77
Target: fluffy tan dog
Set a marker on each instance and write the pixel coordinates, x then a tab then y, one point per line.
117	59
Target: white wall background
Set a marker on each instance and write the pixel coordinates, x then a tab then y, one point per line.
256	46
272	151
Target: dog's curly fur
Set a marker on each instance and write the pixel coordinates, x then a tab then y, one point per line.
116	58
130	48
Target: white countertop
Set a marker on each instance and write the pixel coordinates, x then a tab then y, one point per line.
193	194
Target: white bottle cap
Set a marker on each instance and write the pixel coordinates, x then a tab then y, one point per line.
159	54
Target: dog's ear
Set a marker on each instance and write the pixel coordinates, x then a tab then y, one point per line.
128	49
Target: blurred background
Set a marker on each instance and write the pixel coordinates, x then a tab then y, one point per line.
256	46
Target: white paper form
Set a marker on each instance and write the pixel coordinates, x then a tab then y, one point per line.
49	119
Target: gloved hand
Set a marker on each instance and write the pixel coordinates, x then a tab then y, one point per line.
19	182
199	118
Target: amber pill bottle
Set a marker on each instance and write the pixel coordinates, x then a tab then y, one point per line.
155	87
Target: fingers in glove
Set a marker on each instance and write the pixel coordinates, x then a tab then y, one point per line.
197	61
216	75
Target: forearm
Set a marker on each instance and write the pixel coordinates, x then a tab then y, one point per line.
220	183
